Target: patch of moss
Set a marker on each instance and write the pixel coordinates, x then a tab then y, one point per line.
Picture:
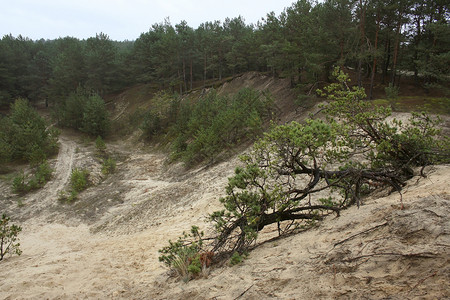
432	105
381	102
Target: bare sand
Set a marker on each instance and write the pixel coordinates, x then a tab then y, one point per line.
105	246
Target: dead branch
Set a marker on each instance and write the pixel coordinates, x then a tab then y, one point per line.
422	255
362	232
242	294
422	280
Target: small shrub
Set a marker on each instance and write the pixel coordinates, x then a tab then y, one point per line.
6	152
109	166
70	111
391	91
53	145
8	237
67	197
327	202
36	155
32	184
195	265
303	101
19	186
42	174
95	117
237	258
6	149
79	180
151	125
62	196
184	256
100	145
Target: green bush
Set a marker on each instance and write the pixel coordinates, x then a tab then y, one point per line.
237	258
67	197
391	91
216	123
108	166
24	135
151	125
42	174
19	185
84	111
32	184
163	113
109	163
79	179
100	145
36	155
184	256
6	148
202	129
8	237
95	117
70	112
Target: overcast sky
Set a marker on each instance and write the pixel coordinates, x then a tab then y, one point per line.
120	19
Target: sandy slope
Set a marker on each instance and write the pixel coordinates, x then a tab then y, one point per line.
376	252
105	245
63	258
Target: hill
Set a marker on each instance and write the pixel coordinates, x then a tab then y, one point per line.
105	244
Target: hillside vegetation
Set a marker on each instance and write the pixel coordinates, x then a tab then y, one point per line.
381	41
292	158
105	243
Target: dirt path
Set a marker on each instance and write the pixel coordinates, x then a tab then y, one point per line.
34	205
63	168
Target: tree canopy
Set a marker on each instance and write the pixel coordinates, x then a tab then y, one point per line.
25	135
380	39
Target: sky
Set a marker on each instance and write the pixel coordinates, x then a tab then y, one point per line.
121	19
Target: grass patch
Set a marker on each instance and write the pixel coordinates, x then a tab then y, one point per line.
431	105
382	102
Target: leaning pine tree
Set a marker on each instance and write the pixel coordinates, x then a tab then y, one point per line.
299	173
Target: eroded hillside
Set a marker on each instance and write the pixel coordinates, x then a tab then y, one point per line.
105	244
